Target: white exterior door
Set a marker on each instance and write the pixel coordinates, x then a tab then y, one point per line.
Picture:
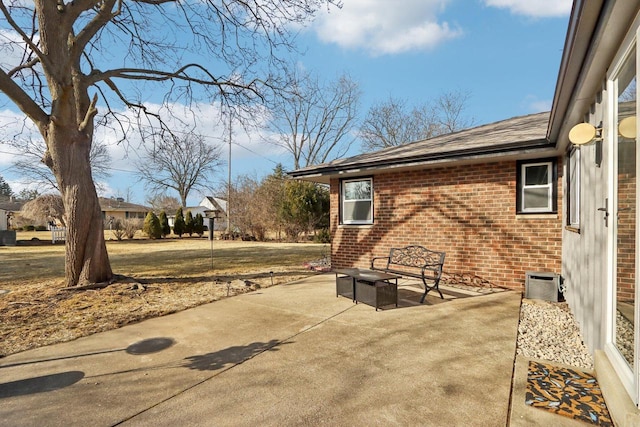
622	219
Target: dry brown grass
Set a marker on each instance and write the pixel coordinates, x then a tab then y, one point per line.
161	277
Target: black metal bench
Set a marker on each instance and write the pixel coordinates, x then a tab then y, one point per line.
413	261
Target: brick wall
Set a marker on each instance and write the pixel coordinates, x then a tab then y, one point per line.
626	255
467	211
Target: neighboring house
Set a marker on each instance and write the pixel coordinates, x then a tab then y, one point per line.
219	205
207	204
488	197
113	209
12	210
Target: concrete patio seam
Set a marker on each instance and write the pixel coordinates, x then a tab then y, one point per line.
513	372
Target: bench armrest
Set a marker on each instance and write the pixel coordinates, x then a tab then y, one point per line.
373	260
435	269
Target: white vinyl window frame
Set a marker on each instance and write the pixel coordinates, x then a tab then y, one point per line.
353	205
628	375
548	186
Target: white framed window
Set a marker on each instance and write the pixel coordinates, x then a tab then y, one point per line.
356	201
573	188
536	187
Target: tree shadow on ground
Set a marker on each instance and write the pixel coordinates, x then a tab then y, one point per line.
40	384
409	295
230	356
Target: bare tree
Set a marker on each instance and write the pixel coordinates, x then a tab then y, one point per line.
162	202
44	208
314	121
245	207
449	108
392	123
61	58
182	163
34	171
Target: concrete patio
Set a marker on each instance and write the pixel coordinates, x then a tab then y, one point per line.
293	354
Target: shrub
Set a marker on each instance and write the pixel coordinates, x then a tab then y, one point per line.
178	223
323	236
164	224
198	225
130	227
29	228
117	229
152	226
40	228
189	224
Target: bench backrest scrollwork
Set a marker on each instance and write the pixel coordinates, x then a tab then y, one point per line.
417	256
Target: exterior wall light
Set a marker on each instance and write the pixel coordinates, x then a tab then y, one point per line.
584	133
627	127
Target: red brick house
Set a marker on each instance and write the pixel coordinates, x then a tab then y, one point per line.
486	196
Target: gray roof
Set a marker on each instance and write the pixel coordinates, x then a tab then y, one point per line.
518	136
112	205
11	205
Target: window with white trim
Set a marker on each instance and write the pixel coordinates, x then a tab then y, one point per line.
537	187
356	201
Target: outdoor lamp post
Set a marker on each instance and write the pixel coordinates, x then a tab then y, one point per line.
211	215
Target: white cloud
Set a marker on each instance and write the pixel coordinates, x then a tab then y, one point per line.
14	128
12	48
249	151
536	9
536	105
386	27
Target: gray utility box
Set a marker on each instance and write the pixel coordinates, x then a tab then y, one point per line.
7	237
543	285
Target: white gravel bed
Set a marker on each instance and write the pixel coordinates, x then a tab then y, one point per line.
549	331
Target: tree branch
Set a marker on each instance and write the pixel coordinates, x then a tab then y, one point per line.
23	101
19	30
91	113
99	21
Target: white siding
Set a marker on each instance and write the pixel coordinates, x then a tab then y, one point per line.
584	254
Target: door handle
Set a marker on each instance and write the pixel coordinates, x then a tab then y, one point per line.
606	216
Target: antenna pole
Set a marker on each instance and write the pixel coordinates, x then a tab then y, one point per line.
229	181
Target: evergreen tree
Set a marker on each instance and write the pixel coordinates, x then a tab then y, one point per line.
5	189
152	226
198	225
189	224
178	223
164	224
305	207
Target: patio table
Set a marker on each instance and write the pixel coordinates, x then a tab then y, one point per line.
374	288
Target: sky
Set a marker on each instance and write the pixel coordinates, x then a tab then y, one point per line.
504	53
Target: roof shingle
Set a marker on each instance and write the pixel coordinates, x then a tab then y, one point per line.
511	135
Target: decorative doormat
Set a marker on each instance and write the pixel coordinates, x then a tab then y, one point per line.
566	392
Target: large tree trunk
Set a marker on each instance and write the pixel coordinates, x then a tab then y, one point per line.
68	133
87	261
